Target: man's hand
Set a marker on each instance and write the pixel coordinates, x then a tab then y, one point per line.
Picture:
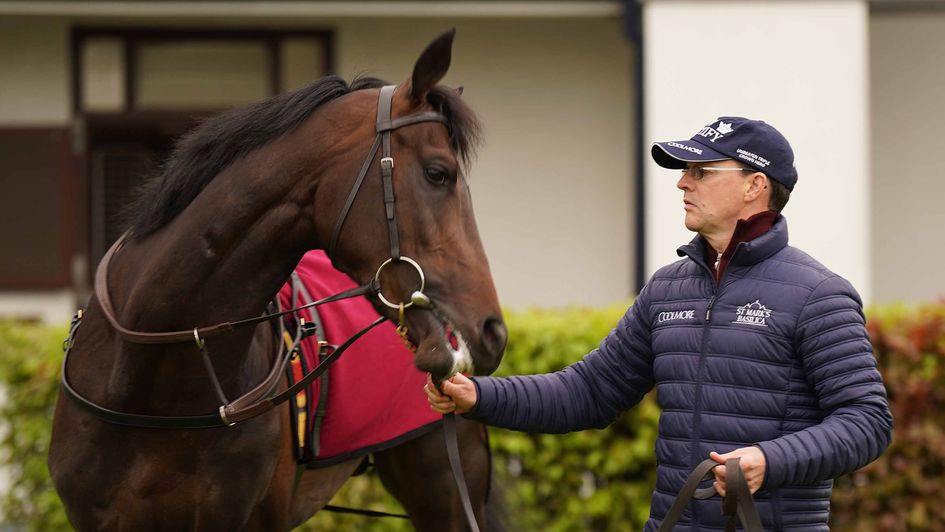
459	394
752	460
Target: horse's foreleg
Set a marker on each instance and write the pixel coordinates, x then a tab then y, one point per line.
418	474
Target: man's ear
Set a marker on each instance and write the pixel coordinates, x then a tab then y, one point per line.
755	185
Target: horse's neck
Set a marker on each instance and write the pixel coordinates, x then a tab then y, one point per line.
221	259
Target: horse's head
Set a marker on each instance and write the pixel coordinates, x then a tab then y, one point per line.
429	223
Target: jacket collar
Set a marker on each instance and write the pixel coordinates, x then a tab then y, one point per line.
746	253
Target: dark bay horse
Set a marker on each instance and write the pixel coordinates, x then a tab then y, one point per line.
240	201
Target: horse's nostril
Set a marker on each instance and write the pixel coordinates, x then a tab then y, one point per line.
494	335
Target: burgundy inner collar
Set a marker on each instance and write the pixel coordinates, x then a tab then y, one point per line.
745	231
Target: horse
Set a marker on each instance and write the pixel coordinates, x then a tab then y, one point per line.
241	199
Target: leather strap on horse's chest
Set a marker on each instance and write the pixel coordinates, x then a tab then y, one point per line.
124	418
197	333
246	407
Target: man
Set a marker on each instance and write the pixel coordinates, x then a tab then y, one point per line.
757	350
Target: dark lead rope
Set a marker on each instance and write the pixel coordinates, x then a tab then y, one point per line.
452	450
738	500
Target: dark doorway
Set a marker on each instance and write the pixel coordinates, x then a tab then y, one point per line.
136	90
122	153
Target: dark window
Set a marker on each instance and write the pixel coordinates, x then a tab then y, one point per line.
133	91
138	88
35	208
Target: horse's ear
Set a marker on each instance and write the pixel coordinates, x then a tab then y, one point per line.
431	66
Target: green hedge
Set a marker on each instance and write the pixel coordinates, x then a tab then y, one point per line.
592	480
902	491
30	356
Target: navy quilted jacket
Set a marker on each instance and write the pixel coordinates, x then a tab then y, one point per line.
776	356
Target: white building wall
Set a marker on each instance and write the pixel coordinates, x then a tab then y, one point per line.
908	82
800	66
552	185
34	73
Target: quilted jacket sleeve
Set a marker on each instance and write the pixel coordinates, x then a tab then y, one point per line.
837	356
590	393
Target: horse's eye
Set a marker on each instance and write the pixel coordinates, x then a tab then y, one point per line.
435	175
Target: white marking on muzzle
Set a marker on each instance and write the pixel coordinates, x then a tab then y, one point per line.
462	359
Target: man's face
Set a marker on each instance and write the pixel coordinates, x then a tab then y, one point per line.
714	202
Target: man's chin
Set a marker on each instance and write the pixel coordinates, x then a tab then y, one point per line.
692	225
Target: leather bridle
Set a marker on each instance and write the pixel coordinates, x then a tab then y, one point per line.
384	126
254	402
260	399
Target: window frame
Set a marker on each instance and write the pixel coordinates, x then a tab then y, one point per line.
133	37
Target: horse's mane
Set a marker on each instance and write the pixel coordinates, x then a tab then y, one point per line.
225	138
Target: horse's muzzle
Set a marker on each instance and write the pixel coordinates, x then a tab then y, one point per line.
494	336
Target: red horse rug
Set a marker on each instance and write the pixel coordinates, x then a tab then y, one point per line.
372	398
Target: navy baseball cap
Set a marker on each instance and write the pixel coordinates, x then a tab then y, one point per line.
752	142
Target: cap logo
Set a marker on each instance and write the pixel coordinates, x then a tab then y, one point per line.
697	151
752	158
714	134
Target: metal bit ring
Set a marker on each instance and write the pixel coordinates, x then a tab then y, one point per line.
377	281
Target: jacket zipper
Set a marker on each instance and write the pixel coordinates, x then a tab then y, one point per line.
715	269
703	361
697	396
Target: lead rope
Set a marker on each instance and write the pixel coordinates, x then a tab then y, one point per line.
452	450
449	420
449	429
738	500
